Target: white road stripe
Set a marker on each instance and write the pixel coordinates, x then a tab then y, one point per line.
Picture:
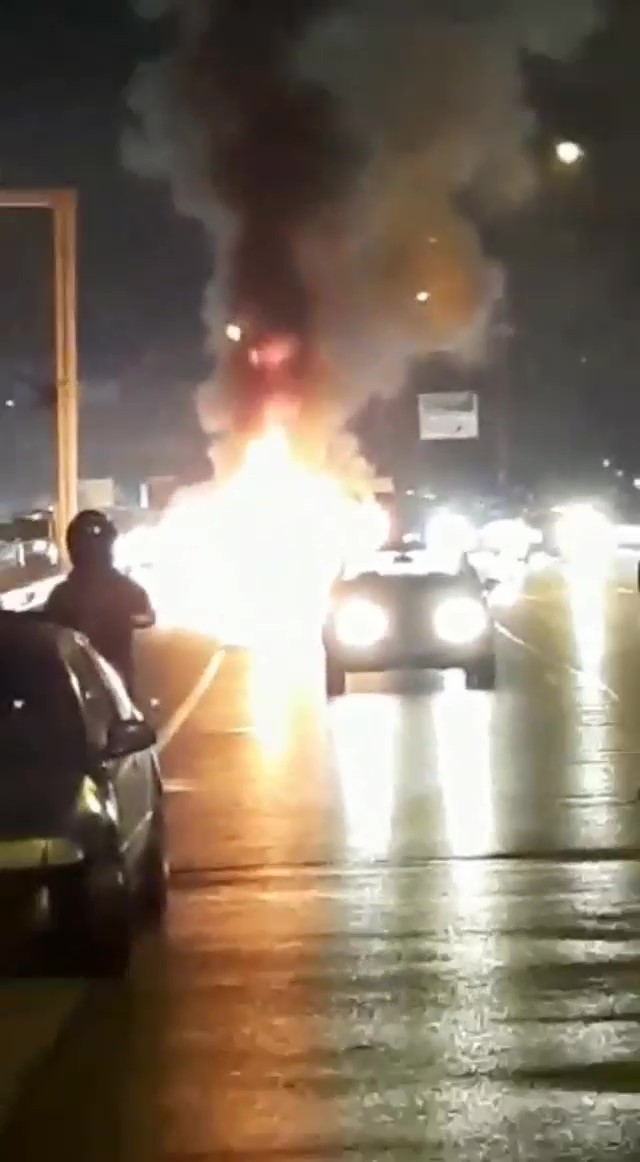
180	715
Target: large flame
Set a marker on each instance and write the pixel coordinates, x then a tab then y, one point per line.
254	559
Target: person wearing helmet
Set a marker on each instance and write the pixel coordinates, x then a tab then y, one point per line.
95	598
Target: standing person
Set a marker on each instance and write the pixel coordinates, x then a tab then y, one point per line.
95	598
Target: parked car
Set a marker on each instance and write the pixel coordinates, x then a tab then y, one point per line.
82	840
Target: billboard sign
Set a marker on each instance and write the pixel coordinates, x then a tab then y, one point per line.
448	415
383	485
98	493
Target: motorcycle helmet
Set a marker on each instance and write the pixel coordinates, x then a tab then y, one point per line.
91	537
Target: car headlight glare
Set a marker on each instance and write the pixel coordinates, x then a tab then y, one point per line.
360	623
460	621
583	531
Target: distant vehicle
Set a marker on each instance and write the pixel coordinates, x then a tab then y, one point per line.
405	616
82	849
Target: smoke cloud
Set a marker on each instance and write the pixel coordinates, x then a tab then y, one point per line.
329	148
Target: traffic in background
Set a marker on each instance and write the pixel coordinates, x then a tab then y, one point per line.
419	889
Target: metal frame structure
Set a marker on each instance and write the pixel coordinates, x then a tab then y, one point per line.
62	203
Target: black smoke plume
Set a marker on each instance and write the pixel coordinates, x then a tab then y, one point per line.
328	148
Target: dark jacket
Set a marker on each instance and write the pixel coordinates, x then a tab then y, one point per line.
106	607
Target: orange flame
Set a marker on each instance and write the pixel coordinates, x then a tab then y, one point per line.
254	559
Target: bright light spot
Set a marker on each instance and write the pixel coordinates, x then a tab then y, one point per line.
539	561
10	403
606	463
506	594
463	763
619	473
279	680
636	483
423	296
569	152
135	550
593	720
514	538
587	600
450	531
359	623
460	620
233	332
255	557
273	353
585	534
366	733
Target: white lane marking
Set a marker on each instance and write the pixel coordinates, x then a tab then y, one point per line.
574	670
180	715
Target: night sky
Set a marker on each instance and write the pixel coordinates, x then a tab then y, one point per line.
573	255
63	72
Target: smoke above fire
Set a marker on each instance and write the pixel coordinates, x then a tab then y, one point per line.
329	150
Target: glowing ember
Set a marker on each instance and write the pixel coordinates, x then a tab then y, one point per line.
255	558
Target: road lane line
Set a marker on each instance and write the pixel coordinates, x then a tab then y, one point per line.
185	709
557	664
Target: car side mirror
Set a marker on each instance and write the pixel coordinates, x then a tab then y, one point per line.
128	737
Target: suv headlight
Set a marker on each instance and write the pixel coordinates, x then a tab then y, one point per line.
460	621
360	623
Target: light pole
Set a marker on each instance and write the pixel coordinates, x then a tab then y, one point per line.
62	203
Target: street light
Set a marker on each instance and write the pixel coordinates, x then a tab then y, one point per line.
569	152
62	203
423	296
233	332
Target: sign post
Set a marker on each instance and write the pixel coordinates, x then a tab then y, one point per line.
62	203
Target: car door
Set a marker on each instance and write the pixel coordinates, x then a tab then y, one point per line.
101	711
137	772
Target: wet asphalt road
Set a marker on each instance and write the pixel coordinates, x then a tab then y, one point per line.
404	927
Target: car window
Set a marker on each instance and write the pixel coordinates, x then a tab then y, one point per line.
390	585
41	718
98	707
116	688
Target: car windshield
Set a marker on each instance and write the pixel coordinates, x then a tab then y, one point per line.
40	717
430	583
